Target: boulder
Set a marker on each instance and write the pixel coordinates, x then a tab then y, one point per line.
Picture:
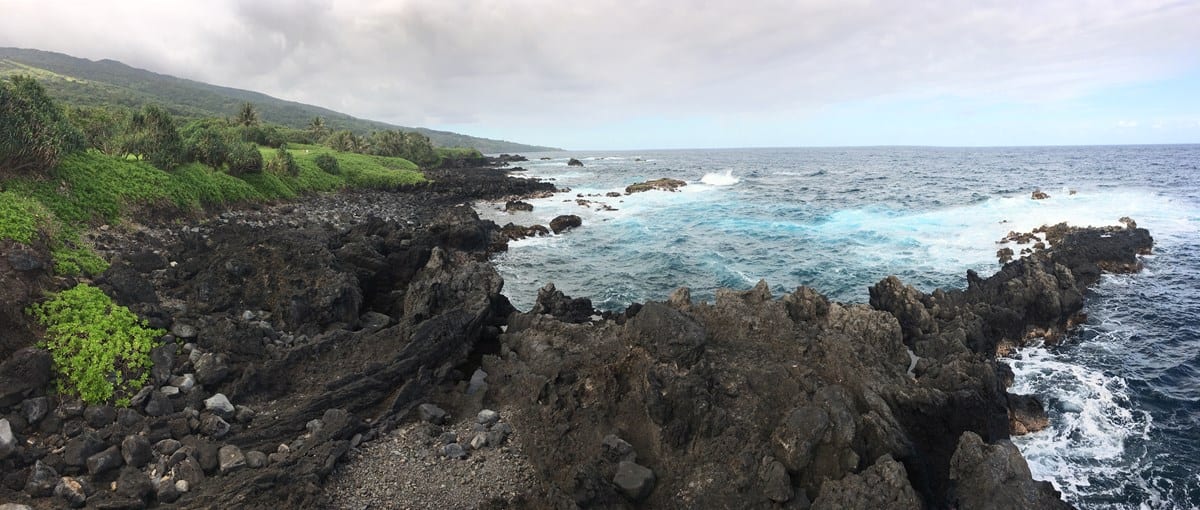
213	426
211	369
565	222
231	458
219	404
552	301
633	480
26	370
256	459
81	447
165	490
104	461
35	409
663	184
431	413
136	450
42	480
574	162
487	417
883	485
1026	414
995	476
99	416
517	205
71	491
159	404
134	484
163	359
8	441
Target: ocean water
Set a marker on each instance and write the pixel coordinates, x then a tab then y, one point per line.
1123	394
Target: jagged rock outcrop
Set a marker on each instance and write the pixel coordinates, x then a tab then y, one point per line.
996	477
753	401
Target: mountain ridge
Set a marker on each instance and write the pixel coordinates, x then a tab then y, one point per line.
85	82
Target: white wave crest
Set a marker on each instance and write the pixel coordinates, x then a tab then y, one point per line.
716	179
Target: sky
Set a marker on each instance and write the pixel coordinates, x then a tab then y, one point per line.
644	74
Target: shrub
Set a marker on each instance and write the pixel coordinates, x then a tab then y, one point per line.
327	163
77	261
34	133
100	126
244	159
207	144
21	217
151	135
100	349
265	135
283	164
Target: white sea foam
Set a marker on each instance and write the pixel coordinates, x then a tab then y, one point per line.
717	179
1091	421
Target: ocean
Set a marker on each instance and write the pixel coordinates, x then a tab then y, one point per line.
1123	393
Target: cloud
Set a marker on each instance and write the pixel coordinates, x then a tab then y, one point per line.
549	62
1127	124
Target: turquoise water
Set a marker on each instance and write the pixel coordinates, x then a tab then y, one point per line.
1123	396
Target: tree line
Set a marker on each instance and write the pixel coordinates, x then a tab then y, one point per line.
36	133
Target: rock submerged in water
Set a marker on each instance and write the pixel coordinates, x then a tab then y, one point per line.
1039	195
574	162
664	184
517	205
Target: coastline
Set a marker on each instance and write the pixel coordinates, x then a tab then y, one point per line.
406	306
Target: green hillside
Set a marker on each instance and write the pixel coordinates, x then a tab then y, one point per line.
89	83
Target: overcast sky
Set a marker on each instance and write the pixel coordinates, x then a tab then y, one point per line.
606	74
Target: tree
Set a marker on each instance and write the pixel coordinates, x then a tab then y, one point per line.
344	141
34	132
207	141
387	143
247	115
100	126
412	146
152	136
317	128
419	150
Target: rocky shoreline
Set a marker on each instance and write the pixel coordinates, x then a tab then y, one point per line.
309	342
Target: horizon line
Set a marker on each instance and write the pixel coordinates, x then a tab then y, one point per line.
868	146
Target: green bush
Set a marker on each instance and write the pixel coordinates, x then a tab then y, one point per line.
207	142
34	132
152	136
244	159
283	164
327	163
77	261
101	127
21	217
101	350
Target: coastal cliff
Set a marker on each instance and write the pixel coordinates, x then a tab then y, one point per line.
302	332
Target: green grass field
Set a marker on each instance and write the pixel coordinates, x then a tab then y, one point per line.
89	188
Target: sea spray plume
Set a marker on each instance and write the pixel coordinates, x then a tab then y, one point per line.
716	179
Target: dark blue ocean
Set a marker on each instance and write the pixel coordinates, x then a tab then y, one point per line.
1123	394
